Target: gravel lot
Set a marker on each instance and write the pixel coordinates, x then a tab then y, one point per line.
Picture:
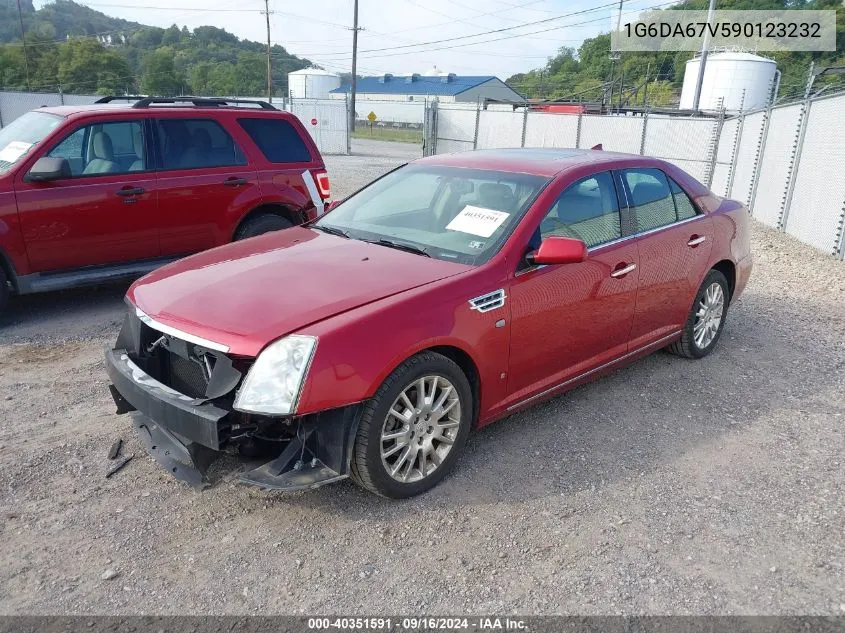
671	486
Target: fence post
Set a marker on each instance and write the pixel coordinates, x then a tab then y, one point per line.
642	137
348	131
737	140
1	109
477	120
61	95
714	148
793	170
840	248
758	161
578	132
524	125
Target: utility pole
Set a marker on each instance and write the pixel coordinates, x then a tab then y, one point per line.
23	41
354	70
269	57
703	59
614	55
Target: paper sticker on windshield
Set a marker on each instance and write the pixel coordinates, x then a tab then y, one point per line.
14	151
478	221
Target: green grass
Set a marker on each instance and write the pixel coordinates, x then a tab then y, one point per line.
399	135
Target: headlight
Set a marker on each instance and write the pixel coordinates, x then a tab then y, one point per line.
274	381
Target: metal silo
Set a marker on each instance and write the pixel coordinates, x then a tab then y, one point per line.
735	80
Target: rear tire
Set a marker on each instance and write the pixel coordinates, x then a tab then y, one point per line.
406	444
706	318
260	224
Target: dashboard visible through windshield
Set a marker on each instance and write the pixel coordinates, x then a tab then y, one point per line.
449	213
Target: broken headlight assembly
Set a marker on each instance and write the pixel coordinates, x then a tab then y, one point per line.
274	382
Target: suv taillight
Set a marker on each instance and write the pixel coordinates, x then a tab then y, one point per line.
323	186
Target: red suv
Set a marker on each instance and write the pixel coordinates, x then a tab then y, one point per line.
113	190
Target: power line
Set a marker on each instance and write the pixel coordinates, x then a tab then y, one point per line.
498	39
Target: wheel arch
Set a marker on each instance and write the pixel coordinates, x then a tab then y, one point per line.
728	269
286	211
457	354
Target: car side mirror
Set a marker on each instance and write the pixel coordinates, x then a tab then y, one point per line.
333	204
48	168
558	250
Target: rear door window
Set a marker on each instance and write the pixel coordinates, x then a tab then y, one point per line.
196	144
277	139
683	205
650	198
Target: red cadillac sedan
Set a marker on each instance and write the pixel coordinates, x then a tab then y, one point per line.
452	291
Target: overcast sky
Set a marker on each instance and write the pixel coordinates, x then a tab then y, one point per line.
320	29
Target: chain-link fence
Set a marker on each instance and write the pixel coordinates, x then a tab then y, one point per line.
14	104
327	120
784	163
787	168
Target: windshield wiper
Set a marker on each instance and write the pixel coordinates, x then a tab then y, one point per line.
330	229
401	246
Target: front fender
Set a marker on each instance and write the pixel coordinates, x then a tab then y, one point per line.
357	350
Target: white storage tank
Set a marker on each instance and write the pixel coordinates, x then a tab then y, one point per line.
742	80
312	83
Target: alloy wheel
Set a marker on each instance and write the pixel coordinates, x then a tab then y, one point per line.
708	318
420	429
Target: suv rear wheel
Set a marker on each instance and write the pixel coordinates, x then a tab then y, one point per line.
262	223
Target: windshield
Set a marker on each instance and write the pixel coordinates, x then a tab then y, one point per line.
22	134
456	214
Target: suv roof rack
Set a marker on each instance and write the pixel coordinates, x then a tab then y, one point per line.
205	102
111	98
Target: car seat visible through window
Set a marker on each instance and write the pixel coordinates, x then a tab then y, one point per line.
103	156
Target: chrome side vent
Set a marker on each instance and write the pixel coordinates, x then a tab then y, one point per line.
490	301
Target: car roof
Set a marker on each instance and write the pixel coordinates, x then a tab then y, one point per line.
539	161
71	111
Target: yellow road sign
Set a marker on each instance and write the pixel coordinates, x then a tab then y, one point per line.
372	117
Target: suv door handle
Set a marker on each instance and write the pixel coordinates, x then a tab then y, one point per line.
235	182
130	191
621	272
695	240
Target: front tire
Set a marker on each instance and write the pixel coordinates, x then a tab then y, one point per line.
412	431
260	224
706	319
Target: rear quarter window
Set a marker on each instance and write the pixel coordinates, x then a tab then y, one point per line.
277	139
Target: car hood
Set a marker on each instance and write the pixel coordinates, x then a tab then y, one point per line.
246	294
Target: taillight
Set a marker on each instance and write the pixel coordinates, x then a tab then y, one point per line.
323	186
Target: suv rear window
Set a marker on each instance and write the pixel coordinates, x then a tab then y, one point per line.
277	139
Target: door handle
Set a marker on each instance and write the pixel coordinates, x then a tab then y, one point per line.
130	191
621	272
235	182
695	240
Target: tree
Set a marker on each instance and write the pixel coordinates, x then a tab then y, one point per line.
85	65
158	74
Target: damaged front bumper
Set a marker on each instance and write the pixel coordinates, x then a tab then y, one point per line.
186	435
